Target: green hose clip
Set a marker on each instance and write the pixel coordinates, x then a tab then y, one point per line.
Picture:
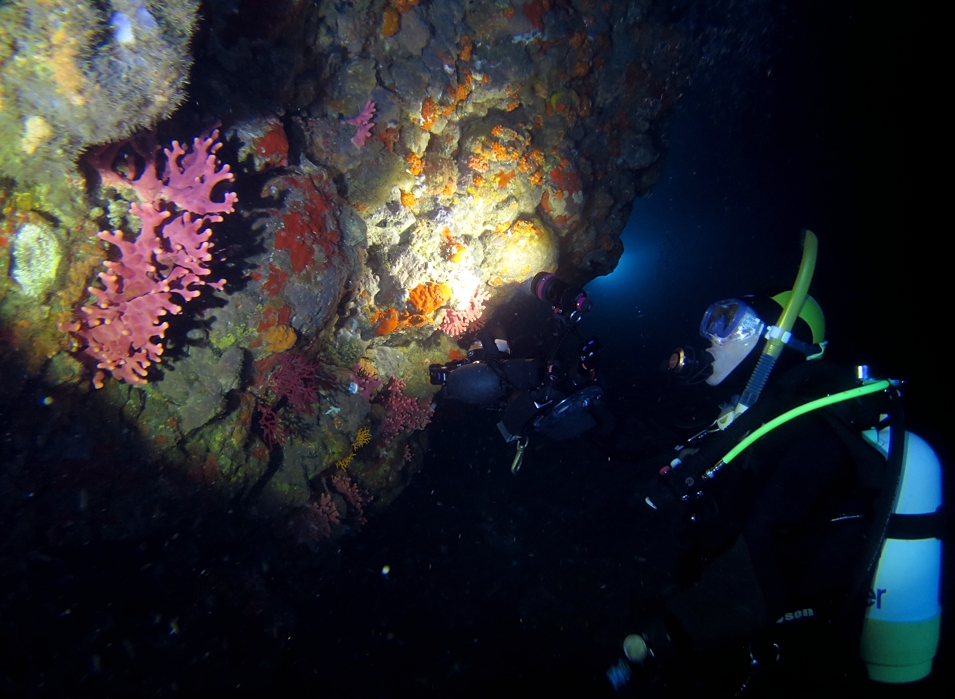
519	456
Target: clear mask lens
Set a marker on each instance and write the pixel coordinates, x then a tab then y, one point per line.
730	320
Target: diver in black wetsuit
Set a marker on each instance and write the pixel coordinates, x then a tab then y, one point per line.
534	394
767	528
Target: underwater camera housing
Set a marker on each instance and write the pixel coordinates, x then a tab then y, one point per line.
565	299
438	373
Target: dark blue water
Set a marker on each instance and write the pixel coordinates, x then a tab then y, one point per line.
810	133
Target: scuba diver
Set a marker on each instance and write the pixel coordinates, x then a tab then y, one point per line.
533	394
798	535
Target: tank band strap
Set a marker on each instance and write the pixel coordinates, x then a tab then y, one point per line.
928	525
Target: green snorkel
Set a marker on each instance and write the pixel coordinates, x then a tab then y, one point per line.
778	335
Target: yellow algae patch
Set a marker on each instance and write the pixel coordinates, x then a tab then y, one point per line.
427	298
390	22
525	249
415	164
362	437
62	63
429	113
366	368
278	338
386	322
36	132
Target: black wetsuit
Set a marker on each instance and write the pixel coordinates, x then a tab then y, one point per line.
782	534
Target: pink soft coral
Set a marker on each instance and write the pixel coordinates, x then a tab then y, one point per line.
456	323
401	411
312	524
122	331
187	178
354	498
364	123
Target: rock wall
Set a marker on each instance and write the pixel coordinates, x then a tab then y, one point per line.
74	74
402	169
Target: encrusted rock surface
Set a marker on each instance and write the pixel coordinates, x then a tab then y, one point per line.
402	167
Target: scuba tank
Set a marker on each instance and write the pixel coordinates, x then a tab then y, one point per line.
901	627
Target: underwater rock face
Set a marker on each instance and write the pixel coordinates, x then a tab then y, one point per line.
198	384
440	155
406	167
484	113
489	119
74	74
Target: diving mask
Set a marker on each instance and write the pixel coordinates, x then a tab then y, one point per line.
730	320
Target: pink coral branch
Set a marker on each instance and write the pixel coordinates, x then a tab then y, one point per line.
367	385
294	379
273	431
312	524
122	331
323	515
353	496
187	180
191	176
364	123
456	323
402	412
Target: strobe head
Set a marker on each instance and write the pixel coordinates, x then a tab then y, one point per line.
565	299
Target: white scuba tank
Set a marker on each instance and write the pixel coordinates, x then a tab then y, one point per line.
901	628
